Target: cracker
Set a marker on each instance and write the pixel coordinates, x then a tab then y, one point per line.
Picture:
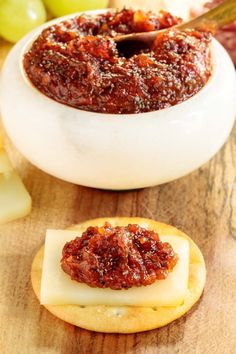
127	319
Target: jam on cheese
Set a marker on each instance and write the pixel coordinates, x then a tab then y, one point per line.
57	288
118	257
76	62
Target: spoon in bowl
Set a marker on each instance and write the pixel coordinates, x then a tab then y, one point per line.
220	15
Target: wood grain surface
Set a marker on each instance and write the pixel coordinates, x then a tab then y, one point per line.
202	204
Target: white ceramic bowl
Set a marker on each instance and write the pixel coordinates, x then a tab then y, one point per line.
117	151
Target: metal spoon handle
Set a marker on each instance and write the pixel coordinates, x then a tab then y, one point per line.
219	16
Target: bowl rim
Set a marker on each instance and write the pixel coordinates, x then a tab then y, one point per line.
33	35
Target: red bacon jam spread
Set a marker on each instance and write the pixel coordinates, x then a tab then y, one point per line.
76	62
118	257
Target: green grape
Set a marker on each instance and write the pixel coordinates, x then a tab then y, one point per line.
64	7
17	17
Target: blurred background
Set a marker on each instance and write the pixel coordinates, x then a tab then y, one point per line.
17	17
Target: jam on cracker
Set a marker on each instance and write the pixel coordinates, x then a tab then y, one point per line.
118	257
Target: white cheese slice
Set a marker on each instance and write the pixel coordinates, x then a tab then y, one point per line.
15	201
1	140
58	289
5	165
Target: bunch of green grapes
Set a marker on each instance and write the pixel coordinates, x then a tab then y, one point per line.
64	7
18	17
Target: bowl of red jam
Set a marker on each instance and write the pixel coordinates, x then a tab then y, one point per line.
90	113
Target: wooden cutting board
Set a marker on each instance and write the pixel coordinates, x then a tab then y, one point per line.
203	204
